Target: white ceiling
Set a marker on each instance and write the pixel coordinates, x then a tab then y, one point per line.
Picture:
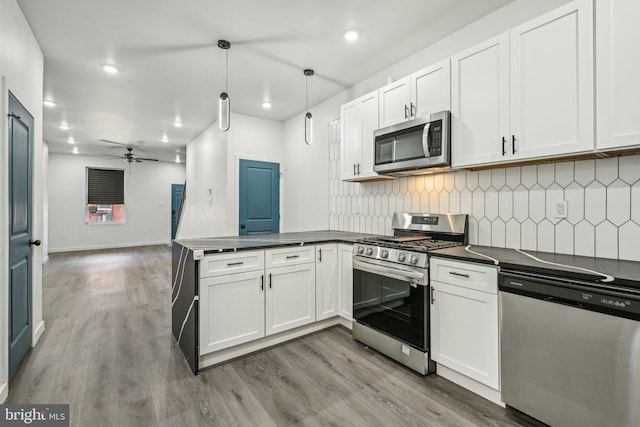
170	65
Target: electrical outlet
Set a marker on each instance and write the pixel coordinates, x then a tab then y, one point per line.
560	209
357	206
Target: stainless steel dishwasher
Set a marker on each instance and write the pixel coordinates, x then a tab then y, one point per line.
570	350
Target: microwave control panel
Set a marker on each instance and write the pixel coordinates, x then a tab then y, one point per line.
435	143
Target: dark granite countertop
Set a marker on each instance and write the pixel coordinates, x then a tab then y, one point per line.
262	241
622	273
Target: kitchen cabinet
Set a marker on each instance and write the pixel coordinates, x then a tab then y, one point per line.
359	119
231	300
345	269
423	92
617	65
290	299
527	93
327	284
464	319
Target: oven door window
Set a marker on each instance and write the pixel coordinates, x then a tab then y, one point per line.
392	306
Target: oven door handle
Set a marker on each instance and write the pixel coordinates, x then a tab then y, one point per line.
394	273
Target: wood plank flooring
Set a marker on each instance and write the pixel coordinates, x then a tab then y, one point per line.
108	352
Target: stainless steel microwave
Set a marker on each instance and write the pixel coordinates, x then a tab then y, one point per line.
413	146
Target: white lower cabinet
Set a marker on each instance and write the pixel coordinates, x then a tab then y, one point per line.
231	310
345	268
464	320
326	281
290	297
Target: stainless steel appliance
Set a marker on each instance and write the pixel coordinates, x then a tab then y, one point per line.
414	146
570	350
391	285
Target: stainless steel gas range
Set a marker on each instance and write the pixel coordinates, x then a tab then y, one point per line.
391	285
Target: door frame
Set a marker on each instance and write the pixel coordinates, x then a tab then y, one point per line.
236	187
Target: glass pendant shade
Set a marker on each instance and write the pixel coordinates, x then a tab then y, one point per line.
224	112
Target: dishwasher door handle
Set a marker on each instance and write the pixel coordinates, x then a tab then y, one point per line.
563	302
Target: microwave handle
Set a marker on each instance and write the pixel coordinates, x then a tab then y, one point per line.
425	140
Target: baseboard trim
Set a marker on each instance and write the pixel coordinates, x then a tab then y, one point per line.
211	359
4	392
38	333
470	384
45	259
110	246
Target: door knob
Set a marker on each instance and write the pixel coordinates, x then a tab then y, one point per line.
35	242
242	226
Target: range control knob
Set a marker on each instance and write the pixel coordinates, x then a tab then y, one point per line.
414	259
402	256
384	253
369	251
360	250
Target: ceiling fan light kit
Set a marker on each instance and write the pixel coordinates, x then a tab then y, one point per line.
224	102
308	117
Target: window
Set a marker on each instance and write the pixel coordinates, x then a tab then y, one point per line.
105	196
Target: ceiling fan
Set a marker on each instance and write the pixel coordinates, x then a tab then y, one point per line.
129	156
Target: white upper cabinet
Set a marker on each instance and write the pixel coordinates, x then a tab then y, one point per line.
480	102
359	119
423	92
552	83
527	93
617	65
431	89
394	101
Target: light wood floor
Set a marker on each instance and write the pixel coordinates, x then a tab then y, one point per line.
108	351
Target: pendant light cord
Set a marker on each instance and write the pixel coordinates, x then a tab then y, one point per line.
226	72
306	93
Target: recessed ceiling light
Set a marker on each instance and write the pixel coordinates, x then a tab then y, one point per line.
165	138
351	35
64	126
49	103
110	69
71	140
266	105
75	150
177	123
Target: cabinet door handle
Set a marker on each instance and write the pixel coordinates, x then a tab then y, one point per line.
230	264
262	282
358	168
504	149
320	255
406	111
354	169
413	110
513	144
293	256
433	296
269	280
455	273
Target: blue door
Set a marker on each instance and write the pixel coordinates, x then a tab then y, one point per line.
20	152
259	197
176	200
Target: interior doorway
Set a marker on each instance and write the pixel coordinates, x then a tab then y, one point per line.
259	197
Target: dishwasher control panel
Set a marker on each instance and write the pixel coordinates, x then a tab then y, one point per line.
575	294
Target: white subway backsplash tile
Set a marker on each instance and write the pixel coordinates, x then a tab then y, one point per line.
508	207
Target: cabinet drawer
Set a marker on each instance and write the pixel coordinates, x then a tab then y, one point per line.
289	256
237	262
468	275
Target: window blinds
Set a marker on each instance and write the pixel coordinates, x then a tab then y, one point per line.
105	186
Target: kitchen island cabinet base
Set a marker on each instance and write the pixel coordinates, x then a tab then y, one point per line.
470	384
211	359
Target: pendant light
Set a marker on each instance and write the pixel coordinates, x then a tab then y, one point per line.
308	117
224	103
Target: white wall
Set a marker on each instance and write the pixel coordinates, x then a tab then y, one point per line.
212	160
45	203
147	204
307	189
21	72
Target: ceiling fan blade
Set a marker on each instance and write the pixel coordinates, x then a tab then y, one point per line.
146	160
114	142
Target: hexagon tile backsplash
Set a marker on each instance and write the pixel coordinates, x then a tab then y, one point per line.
509	207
